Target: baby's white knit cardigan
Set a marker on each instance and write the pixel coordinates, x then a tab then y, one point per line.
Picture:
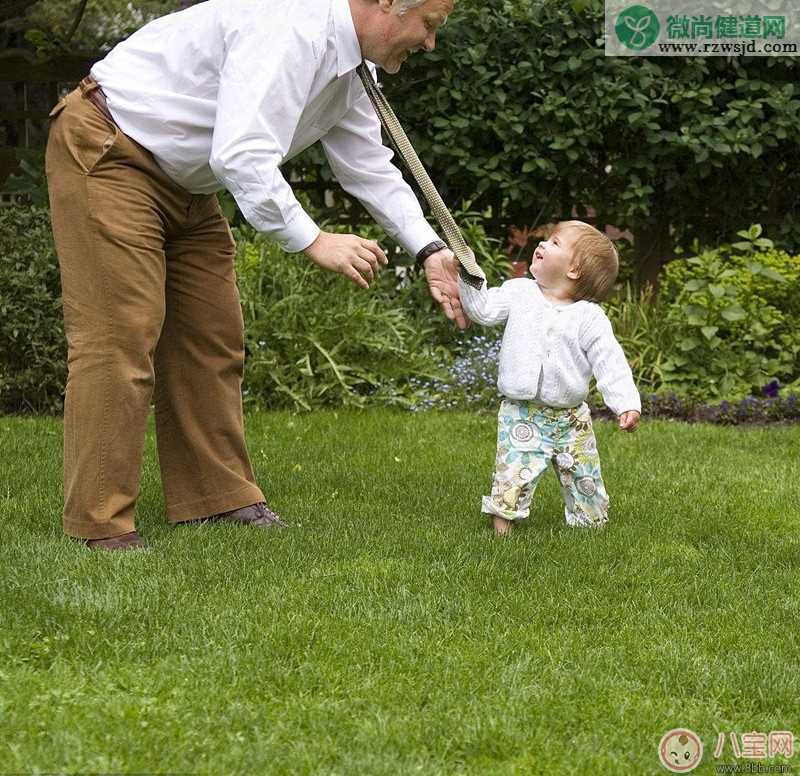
550	352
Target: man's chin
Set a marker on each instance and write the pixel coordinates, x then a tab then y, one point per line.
392	67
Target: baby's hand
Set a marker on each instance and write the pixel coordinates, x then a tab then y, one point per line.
629	420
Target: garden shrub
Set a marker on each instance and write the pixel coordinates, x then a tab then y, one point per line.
313	339
760	270
519	108
729	328
641	327
721	328
33	353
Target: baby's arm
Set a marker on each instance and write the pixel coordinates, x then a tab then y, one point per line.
611	369
489	306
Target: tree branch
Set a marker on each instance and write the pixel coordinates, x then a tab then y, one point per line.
76	21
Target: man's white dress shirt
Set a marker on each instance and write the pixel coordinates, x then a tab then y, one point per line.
224	92
550	352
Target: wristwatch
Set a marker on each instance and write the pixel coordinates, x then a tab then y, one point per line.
429	250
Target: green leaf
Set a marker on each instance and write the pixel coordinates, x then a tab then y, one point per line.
695	311
709	331
773	274
733	313
695	284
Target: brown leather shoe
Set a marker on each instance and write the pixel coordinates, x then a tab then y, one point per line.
258	515
128	541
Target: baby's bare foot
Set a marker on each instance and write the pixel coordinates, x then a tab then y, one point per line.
502	527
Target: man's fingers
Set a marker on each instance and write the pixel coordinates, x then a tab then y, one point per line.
364	267
376	250
447	307
355	276
437	295
367	255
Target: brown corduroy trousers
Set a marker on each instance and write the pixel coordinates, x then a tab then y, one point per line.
151	313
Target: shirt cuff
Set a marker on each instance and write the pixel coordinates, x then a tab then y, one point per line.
298	234
620	403
416	236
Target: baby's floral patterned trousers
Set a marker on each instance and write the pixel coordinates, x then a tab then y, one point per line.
529	437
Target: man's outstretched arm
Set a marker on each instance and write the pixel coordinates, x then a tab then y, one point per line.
363	166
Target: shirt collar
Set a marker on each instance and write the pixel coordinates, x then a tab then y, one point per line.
348	52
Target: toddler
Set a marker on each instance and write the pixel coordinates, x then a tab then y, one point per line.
556	338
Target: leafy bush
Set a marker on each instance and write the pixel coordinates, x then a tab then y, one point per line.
721	328
768	269
728	323
519	108
641	327
313	339
32	344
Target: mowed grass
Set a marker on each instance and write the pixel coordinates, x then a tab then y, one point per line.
387	631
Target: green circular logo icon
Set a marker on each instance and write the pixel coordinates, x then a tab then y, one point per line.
637	27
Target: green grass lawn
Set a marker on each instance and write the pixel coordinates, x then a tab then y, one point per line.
387	631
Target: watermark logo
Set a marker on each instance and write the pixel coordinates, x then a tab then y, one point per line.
755	745
637	27
680	750
702	28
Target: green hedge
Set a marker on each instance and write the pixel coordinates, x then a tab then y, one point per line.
33	354
722	326
519	108
731	321
520	105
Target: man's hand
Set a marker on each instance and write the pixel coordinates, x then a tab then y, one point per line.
629	420
353	256
441	272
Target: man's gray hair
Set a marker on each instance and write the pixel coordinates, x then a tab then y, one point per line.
404	5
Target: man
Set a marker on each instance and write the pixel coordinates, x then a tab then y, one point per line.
218	95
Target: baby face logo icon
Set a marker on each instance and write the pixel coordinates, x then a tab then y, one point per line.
680	750
637	27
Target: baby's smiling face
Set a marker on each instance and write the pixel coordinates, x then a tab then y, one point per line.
553	258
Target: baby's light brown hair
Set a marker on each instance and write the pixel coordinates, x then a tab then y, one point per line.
595	258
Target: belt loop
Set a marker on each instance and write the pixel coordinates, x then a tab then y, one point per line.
88	85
